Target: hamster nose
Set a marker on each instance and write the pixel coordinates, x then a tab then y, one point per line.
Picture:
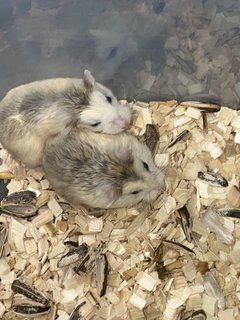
124	124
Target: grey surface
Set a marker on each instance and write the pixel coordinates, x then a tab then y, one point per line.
144	49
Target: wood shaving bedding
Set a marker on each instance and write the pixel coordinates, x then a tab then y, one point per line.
177	258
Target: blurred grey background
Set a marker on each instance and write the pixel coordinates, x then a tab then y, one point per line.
143	49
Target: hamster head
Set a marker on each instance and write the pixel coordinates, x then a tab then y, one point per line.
103	112
143	180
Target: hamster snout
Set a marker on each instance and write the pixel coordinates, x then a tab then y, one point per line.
100	170
124	124
159	189
156	185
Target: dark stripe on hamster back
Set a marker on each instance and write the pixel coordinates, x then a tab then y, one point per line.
76	97
38	100
85	163
33	103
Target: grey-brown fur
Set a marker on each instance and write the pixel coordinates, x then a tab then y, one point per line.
86	163
101	170
75	98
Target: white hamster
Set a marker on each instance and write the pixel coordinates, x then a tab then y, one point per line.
100	170
34	112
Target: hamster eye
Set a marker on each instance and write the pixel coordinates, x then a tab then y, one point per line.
145	165
95	124
109	99
136	192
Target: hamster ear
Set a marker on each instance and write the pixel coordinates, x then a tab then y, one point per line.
111	190
124	154
88	80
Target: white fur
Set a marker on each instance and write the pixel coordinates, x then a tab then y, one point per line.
114	117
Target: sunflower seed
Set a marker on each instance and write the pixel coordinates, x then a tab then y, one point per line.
229	212
186	222
101	273
151	137
71	243
19	210
177	246
213	289
86	265
3	237
204	107
183	136
73	255
213	221
30	310
21	197
22	288
213	178
75	315
193	315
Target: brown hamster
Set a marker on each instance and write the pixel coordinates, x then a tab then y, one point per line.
100	170
31	113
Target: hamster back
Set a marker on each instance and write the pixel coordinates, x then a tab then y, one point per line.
102	171
32	113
